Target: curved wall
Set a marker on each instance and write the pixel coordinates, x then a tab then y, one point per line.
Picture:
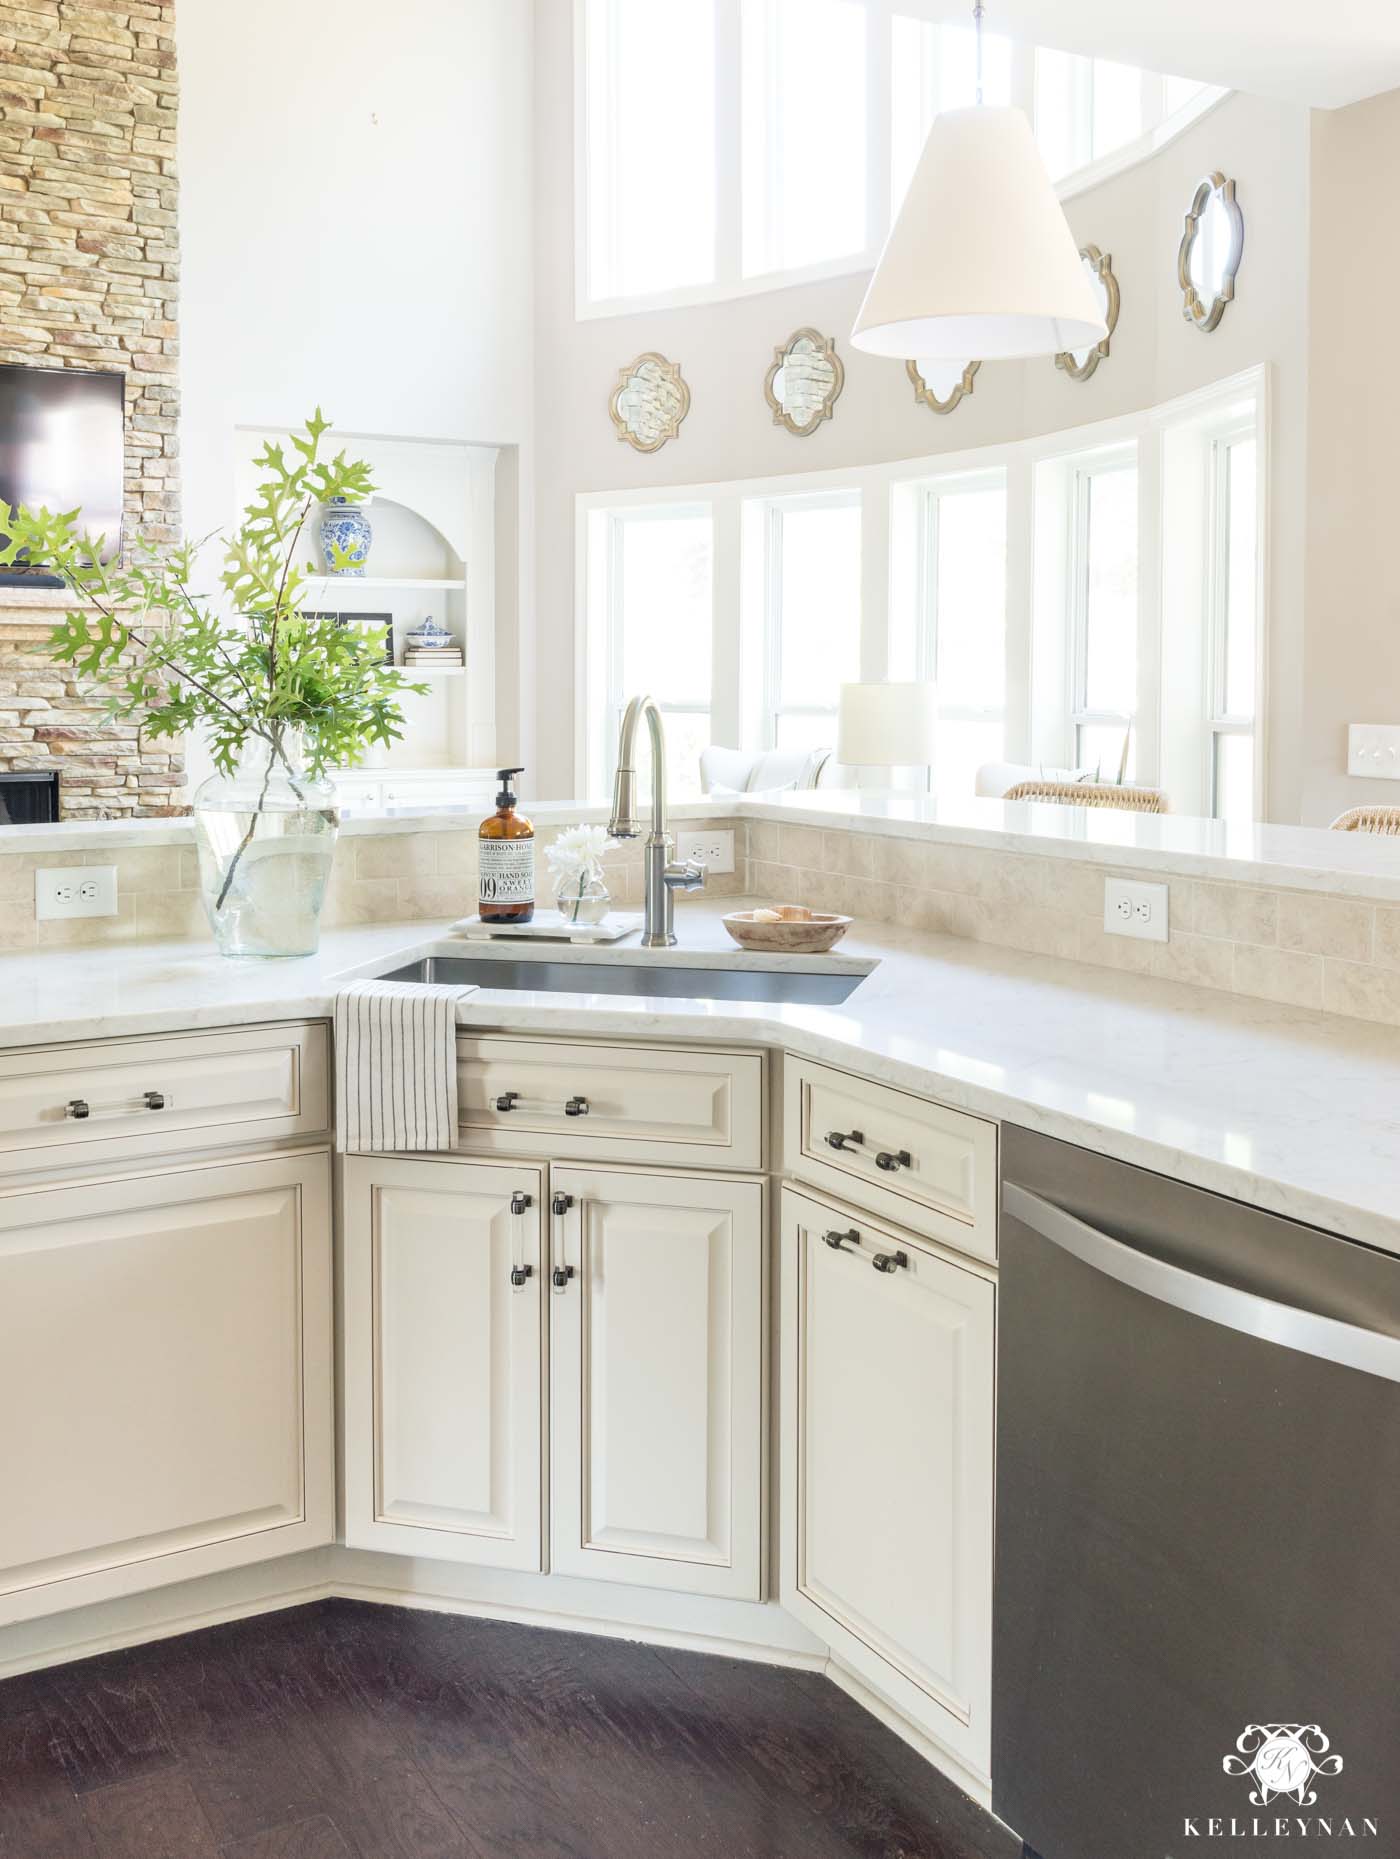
725	348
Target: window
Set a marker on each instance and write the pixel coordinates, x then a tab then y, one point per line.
650	146
651	622
961	594
802	65
934	67
1088	108
1232	624
1104	618
811	614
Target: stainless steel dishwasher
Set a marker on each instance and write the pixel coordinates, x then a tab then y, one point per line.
1197	1622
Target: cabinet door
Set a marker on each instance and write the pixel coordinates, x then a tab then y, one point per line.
165	1372
443	1406
656	1341
887	1444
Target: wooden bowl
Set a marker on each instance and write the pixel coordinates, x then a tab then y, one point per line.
796	931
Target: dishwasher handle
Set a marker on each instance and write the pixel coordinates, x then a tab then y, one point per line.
1304	1331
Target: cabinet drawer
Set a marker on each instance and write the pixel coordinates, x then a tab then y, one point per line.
932	1168
66	1106
619	1103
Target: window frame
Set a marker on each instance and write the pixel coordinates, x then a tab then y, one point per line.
1080	714
930	494
774	510
1219	720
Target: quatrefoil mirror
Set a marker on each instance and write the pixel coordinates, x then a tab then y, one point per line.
649	402
940	385
1212	243
804	381
1079	364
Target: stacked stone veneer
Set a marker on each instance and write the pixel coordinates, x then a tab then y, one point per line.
89	278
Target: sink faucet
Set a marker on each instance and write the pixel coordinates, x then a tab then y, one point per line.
660	877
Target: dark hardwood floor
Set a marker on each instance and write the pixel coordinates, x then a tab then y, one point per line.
350	1731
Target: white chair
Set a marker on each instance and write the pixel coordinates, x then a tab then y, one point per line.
768	771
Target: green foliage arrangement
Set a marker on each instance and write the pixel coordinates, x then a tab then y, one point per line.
167	657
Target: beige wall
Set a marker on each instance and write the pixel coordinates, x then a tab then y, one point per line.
725	348
1353	570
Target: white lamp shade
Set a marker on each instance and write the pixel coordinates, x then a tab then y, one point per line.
887	725
981	261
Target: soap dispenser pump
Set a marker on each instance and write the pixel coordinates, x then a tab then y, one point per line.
506	848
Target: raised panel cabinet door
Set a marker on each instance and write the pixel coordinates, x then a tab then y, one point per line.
166	1378
656	1390
443	1358
887	1448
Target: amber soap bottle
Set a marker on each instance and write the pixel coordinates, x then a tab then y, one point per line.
506	850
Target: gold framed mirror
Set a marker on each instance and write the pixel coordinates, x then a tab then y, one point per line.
942	385
1212	244
649	402
1079	364
804	381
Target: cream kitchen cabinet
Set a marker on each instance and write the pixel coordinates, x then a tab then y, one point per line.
887	1452
656	1350
165	1375
443	1358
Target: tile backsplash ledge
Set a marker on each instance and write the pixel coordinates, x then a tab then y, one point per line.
1301	948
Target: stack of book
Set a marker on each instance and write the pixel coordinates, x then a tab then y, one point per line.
438	655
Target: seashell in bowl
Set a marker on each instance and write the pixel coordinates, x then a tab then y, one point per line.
786	929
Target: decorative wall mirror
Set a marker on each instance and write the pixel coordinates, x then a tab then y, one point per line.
1079	364
1212	243
804	381
649	401
940	385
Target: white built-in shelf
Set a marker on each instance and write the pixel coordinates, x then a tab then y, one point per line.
380	581
433	671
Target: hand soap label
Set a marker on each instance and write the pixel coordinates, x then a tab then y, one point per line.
507	871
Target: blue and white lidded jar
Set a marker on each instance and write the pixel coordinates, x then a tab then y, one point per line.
345	537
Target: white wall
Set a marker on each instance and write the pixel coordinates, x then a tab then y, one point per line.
355	224
725	348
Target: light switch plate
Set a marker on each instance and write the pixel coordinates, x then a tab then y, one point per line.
1133	909
75	891
1374	749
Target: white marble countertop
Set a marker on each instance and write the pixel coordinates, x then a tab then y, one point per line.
1293	1110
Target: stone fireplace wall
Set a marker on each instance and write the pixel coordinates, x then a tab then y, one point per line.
89	278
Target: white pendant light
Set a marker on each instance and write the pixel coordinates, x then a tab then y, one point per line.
981	261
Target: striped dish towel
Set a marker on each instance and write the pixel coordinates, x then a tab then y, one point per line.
396	1066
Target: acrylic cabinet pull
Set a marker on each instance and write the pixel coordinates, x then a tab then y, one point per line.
842	1242
512	1100
520	1273
78	1109
844	1139
890	1261
893	1161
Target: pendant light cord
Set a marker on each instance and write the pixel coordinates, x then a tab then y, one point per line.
977	13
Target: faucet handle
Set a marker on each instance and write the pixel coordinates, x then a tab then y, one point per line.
687	875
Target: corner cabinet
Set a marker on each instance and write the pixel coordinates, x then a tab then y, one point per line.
166	1376
887	1445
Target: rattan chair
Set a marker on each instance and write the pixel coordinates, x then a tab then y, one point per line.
1368	820
1091	794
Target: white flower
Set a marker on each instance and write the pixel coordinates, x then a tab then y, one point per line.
577	854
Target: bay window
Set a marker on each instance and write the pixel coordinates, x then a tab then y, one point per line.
811	606
1104	616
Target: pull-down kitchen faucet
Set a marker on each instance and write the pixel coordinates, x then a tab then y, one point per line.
660	878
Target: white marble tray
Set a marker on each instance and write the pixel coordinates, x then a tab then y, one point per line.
549	926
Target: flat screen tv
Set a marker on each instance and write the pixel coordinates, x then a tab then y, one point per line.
61	446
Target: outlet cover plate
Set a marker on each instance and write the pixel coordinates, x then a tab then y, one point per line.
715	851
1373	749
75	891
1133	909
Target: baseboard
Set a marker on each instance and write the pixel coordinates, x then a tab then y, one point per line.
932	1751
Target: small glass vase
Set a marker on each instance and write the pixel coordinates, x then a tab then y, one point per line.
583	900
266	837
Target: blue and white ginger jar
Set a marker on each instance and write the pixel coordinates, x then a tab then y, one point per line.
345	537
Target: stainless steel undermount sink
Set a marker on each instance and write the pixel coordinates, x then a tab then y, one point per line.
649	978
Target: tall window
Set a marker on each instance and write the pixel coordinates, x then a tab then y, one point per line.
1232	624
811	614
962	638
803	131
1104	616
933	68
1087	108
651	621
650	146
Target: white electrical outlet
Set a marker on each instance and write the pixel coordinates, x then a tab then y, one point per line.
1374	749
75	891
1132	909
715	851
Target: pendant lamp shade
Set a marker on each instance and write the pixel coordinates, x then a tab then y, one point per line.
981	262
